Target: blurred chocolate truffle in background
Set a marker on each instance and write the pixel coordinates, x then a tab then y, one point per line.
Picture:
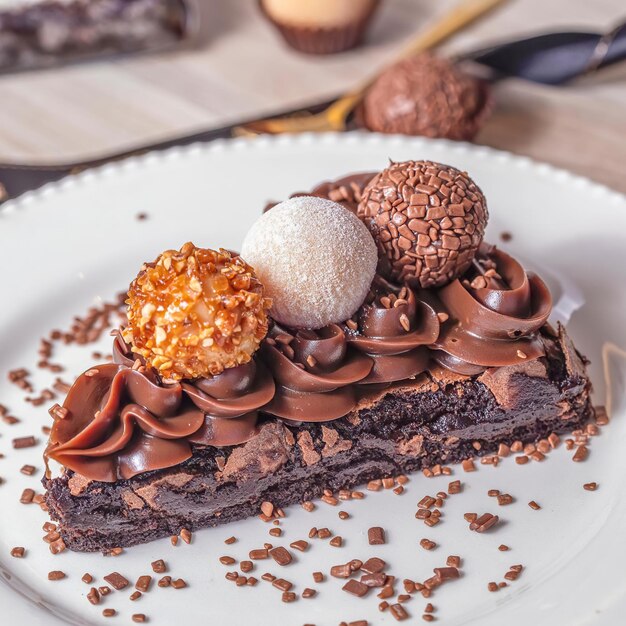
426	95
320	26
428	220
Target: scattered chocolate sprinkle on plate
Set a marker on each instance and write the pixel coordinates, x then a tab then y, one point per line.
93	596
427	544
299	545
376	536
318	577
281	555
24	442
356	588
255	555
116	580
484	522
143	583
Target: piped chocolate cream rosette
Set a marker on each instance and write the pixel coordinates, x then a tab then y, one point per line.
393	328
315	371
229	401
495	312
125	418
119	420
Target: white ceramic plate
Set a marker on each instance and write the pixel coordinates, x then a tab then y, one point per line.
74	243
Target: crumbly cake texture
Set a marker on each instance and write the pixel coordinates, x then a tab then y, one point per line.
440	418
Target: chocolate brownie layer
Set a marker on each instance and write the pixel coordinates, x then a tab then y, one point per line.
434	420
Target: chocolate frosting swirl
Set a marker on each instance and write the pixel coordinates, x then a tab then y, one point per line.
122	420
394	329
314	373
493	320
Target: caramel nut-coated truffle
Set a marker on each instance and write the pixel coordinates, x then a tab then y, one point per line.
426	95
428	220
195	312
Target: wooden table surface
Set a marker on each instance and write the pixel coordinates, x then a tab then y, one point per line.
244	71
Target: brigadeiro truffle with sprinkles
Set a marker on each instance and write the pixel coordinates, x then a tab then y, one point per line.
315	258
426	95
428	220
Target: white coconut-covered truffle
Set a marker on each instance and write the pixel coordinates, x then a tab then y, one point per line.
315	259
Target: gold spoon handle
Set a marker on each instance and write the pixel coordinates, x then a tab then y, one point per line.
463	14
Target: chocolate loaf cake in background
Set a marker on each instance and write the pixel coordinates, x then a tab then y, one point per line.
48	32
365	331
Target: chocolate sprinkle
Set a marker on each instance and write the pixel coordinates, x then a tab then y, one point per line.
374	565
376	536
93	596
24	442
299	545
116	580
282	584
399	612
356	588
428	220
484	522
281	555
341	571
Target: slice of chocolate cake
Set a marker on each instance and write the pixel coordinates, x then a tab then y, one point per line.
227	391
